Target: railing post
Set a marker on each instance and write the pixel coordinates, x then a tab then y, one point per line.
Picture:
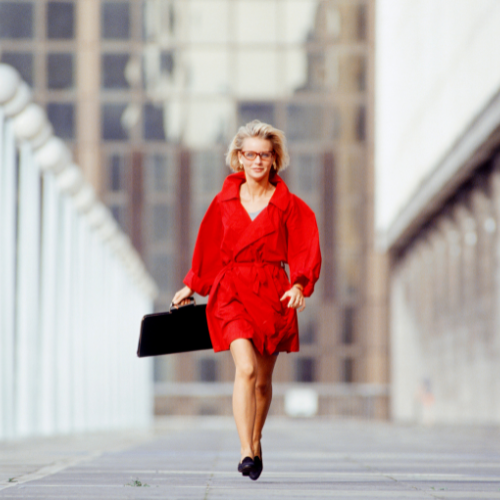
28	269
8	189
48	306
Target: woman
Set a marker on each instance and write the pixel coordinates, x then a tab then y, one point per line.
252	227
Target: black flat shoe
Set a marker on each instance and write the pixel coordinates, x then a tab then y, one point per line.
259	466
246	466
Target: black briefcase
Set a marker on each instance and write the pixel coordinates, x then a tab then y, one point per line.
182	329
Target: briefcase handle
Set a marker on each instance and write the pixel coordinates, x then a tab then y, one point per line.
192	302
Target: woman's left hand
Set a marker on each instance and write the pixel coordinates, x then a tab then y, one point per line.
296	298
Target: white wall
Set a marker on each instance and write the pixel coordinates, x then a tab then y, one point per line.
437	66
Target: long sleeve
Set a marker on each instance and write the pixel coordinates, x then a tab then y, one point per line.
304	254
207	260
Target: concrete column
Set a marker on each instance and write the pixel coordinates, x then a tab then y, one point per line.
406	327
482	333
495	341
448	354
436	349
466	382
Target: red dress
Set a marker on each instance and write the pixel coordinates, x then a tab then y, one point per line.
238	262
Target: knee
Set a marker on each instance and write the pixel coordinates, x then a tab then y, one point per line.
263	387
246	371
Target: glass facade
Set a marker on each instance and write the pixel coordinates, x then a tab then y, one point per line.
16	20
115	20
113	71
62	117
38	39
60	72
60	20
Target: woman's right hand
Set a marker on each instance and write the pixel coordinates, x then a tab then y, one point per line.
181	297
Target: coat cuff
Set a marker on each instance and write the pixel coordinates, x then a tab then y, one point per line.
307	285
197	284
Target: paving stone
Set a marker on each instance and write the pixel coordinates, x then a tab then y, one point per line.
196	458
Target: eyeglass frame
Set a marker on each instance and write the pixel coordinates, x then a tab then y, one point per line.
258	154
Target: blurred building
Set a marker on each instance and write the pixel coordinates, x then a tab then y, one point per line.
149	94
83	60
306	67
438	202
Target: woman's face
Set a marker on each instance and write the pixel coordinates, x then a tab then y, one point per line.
256	167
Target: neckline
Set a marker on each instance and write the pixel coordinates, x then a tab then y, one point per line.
259	211
231	190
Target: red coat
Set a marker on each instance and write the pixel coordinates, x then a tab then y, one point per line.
239	263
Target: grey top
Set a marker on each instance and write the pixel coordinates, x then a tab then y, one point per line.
254	214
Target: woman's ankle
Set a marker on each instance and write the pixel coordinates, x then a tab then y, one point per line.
256	449
246	452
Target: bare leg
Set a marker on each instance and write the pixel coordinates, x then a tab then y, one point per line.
244	404
263	397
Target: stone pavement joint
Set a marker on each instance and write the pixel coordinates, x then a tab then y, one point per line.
47	471
196	458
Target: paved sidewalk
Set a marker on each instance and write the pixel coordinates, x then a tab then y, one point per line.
306	459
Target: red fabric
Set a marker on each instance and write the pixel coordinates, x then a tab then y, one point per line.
237	262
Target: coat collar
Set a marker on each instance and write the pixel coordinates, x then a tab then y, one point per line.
231	190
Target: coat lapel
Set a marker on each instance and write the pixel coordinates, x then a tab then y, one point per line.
263	225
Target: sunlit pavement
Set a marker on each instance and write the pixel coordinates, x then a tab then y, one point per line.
306	459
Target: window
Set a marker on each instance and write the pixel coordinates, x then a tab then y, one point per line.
305	370
348	370
207	370
112	129
23	62
153	123
348	326
59	71
361	74
361	22
62	118
162	272
117	180
308	333
336	122
60	20
315	72
306	167
113	71
167	62
329	219
206	167
115	20
304	122
159	172
16	20
256	111
361	124
161	222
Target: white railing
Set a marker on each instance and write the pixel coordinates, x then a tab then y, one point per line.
72	289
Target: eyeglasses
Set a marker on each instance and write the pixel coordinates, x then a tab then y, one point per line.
252	155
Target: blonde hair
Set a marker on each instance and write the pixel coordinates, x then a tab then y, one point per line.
263	131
